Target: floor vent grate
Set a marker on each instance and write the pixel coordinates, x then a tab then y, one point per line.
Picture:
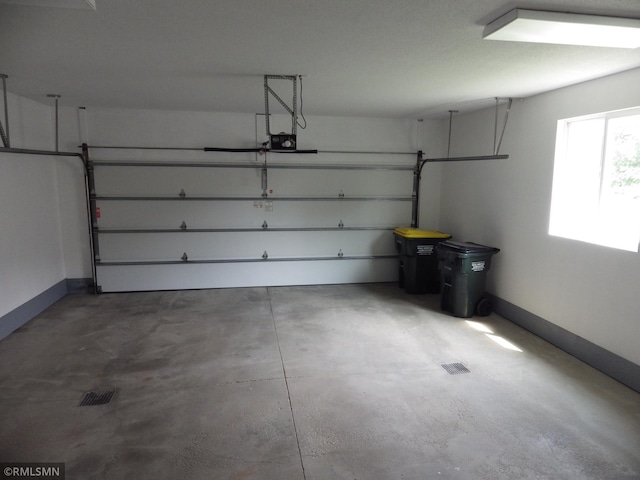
455	368
97	398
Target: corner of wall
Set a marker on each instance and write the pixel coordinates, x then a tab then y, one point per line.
27	311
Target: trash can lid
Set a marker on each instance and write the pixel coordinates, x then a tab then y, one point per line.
409	232
466	247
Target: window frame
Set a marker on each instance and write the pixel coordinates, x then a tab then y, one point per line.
562	207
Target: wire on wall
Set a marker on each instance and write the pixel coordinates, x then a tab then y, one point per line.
301	105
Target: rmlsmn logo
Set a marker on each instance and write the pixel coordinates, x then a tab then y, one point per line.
32	470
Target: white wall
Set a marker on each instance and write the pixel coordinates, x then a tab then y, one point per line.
31	257
587	289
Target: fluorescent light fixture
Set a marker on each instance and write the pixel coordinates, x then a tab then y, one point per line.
82	4
564	28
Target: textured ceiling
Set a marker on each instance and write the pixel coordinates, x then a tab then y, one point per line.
386	58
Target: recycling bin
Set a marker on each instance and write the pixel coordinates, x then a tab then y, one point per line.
418	269
463	270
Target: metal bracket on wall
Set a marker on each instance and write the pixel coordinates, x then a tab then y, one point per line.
6	141
417	175
283	140
56	97
497	142
421	162
451	112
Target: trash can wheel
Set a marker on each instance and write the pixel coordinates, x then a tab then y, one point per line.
484	307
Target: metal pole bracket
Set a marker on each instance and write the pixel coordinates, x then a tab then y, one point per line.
283	141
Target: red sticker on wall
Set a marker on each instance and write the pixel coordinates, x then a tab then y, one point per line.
97	212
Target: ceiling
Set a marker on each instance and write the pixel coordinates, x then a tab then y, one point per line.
380	58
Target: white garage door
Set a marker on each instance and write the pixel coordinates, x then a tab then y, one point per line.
207	220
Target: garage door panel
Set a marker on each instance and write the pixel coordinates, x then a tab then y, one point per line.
125	214
223	245
353	183
129	278
161	181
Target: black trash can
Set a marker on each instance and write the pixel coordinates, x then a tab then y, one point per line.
463	274
418	260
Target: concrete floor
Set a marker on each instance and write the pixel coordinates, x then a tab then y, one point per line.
319	382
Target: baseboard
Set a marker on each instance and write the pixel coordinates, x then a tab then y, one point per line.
25	312
616	367
79	285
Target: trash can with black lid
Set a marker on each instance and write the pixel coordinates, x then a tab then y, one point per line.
463	274
418	260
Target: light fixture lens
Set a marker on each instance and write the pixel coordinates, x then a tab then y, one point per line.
564	28
80	4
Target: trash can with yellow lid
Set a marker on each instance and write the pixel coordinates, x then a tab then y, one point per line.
418	272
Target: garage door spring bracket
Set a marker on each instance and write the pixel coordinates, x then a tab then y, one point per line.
497	142
5	134
56	97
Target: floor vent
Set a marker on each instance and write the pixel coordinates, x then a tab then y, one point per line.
92	399
455	368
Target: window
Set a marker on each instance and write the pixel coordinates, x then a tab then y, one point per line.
596	180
